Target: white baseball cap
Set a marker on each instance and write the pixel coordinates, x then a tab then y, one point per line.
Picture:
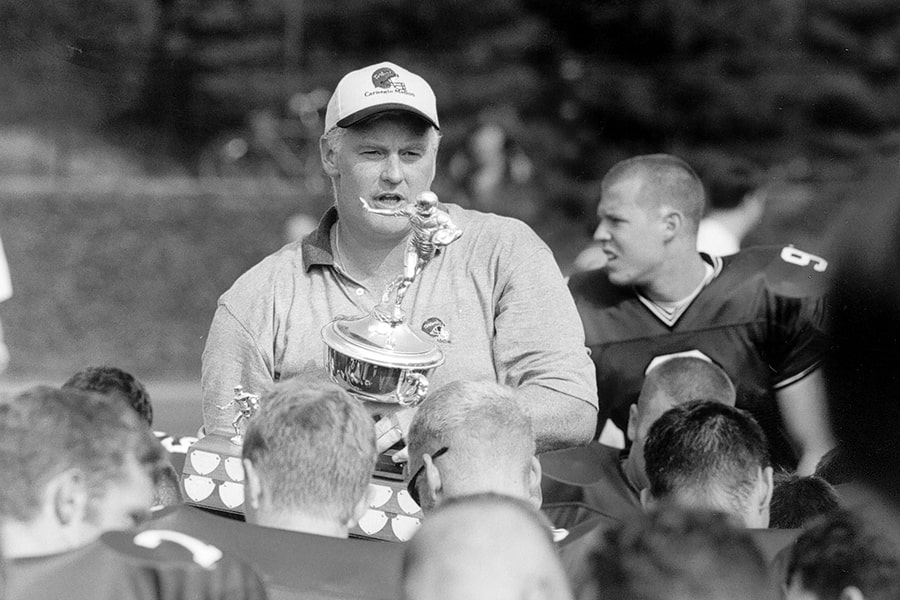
376	88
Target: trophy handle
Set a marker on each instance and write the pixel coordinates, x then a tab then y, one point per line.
412	389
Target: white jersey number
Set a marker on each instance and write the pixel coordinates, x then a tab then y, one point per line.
792	255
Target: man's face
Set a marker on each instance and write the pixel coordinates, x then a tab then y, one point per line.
388	161
126	501
630	233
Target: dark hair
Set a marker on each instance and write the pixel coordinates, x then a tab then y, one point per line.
112	380
687	378
702	446
796	500
861	371
834	467
676	552
841	550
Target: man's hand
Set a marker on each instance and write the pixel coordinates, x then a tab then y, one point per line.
392	428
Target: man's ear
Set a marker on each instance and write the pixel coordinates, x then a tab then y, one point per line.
360	509
253	488
535	495
434	489
69	494
329	157
631	430
766	487
672	222
647	500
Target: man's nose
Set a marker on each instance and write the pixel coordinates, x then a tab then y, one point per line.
393	171
601	234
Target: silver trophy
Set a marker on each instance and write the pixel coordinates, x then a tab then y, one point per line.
378	357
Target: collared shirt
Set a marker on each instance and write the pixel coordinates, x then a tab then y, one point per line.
498	291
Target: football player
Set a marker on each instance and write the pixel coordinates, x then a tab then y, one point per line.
758	313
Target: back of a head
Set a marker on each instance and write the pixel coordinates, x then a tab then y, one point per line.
839	551
483	546
676	553
797	500
864	321
668	182
45	431
114	381
683	379
706	454
488	434
314	445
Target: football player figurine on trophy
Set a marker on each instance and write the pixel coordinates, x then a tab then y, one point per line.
247	405
431	229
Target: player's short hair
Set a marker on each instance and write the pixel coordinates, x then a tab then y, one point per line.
314	445
842	550
483	543
45	431
676	553
683	379
706	453
112	380
482	424
861	371
797	500
673	183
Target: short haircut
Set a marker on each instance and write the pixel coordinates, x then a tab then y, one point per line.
699	449
112	380
45	431
314	445
842	550
677	553
672	181
797	500
483	546
689	378
861	371
482	424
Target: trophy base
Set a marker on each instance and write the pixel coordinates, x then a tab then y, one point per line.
213	474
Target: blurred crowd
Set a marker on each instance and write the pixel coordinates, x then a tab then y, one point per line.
753	390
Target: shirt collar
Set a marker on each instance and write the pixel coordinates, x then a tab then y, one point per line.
317	245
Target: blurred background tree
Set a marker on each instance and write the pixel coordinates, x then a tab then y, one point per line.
805	92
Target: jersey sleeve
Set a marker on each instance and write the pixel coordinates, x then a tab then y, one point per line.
796	286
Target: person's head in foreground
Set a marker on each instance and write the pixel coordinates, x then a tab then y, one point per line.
471	437
712	456
380	143
486	546
121	385
676	553
842	557
650	208
861	372
75	465
116	382
797	500
673	382
308	456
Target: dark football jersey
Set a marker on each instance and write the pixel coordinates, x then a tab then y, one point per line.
587	483
295	565
153	564
761	318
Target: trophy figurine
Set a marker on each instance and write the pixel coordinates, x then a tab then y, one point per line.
431	229
247	405
378	357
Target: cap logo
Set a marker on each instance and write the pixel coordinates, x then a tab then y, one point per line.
381	78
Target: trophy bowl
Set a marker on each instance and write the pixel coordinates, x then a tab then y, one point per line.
379	361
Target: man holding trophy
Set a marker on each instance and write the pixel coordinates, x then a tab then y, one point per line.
391	274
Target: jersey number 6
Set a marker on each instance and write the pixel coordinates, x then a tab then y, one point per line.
792	255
